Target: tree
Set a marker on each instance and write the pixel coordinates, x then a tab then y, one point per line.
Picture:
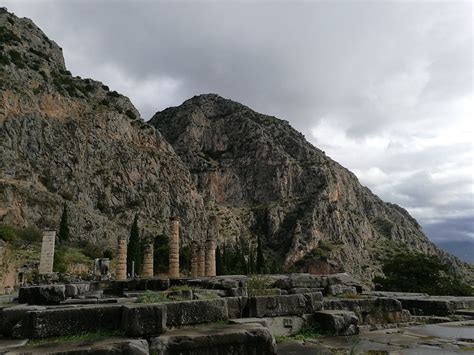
416	272
134	253
219	262
63	235
161	251
260	263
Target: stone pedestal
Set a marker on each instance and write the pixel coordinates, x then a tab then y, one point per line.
194	260
210	258
148	260
47	252
173	271
201	261
121	267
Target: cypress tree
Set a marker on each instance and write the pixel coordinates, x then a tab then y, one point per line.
133	248
63	235
219	262
260	264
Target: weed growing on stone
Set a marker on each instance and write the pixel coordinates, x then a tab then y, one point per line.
101	334
307	332
259	285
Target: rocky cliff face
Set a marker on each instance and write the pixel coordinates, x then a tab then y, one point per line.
67	140
263	178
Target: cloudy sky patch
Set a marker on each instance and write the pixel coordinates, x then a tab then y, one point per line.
385	88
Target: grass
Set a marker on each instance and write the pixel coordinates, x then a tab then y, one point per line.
158	297
307	332
101	334
181	288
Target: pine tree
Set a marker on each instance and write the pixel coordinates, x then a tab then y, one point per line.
134	248
260	264
63	235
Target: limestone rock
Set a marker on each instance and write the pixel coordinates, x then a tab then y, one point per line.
337	322
144	320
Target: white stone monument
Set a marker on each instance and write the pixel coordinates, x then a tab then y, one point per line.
47	252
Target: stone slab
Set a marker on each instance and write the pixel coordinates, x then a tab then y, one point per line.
144	319
273	306
336	322
68	321
235	339
42	295
196	312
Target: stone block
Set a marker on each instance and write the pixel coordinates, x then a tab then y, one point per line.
42	295
235	339
111	346
144	319
195	312
13	315
336	322
273	306
299	290
236	306
68	321
285	325
158	284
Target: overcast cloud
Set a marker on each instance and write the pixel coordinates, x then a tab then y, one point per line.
385	88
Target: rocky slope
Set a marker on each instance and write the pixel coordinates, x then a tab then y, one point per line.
263	178
66	140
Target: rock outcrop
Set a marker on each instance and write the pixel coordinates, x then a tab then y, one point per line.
261	177
67	140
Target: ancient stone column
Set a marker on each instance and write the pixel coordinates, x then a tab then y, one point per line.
47	252
201	261
194	259
121	267
148	260
173	271
210	258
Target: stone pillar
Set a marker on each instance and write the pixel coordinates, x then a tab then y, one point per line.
194	259
47	252
121	267
148	260
173	271
201	261
210	258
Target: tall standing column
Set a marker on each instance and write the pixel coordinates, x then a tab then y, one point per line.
201	261
47	252
194	260
210	258
148	260
121	267
173	271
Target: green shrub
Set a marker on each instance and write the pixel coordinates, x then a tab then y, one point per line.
416	272
7	36
4	59
92	250
109	254
130	114
152	297
8	233
15	57
258	285
30	235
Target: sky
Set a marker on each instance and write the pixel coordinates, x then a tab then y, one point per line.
384	88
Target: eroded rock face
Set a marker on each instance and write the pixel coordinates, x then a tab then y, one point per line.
264	178
67	140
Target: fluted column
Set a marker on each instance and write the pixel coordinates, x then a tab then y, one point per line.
194	260
174	250
210	258
121	267
201	261
148	260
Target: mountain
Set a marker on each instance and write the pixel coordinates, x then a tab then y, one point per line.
262	178
464	250
68	141
71	141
